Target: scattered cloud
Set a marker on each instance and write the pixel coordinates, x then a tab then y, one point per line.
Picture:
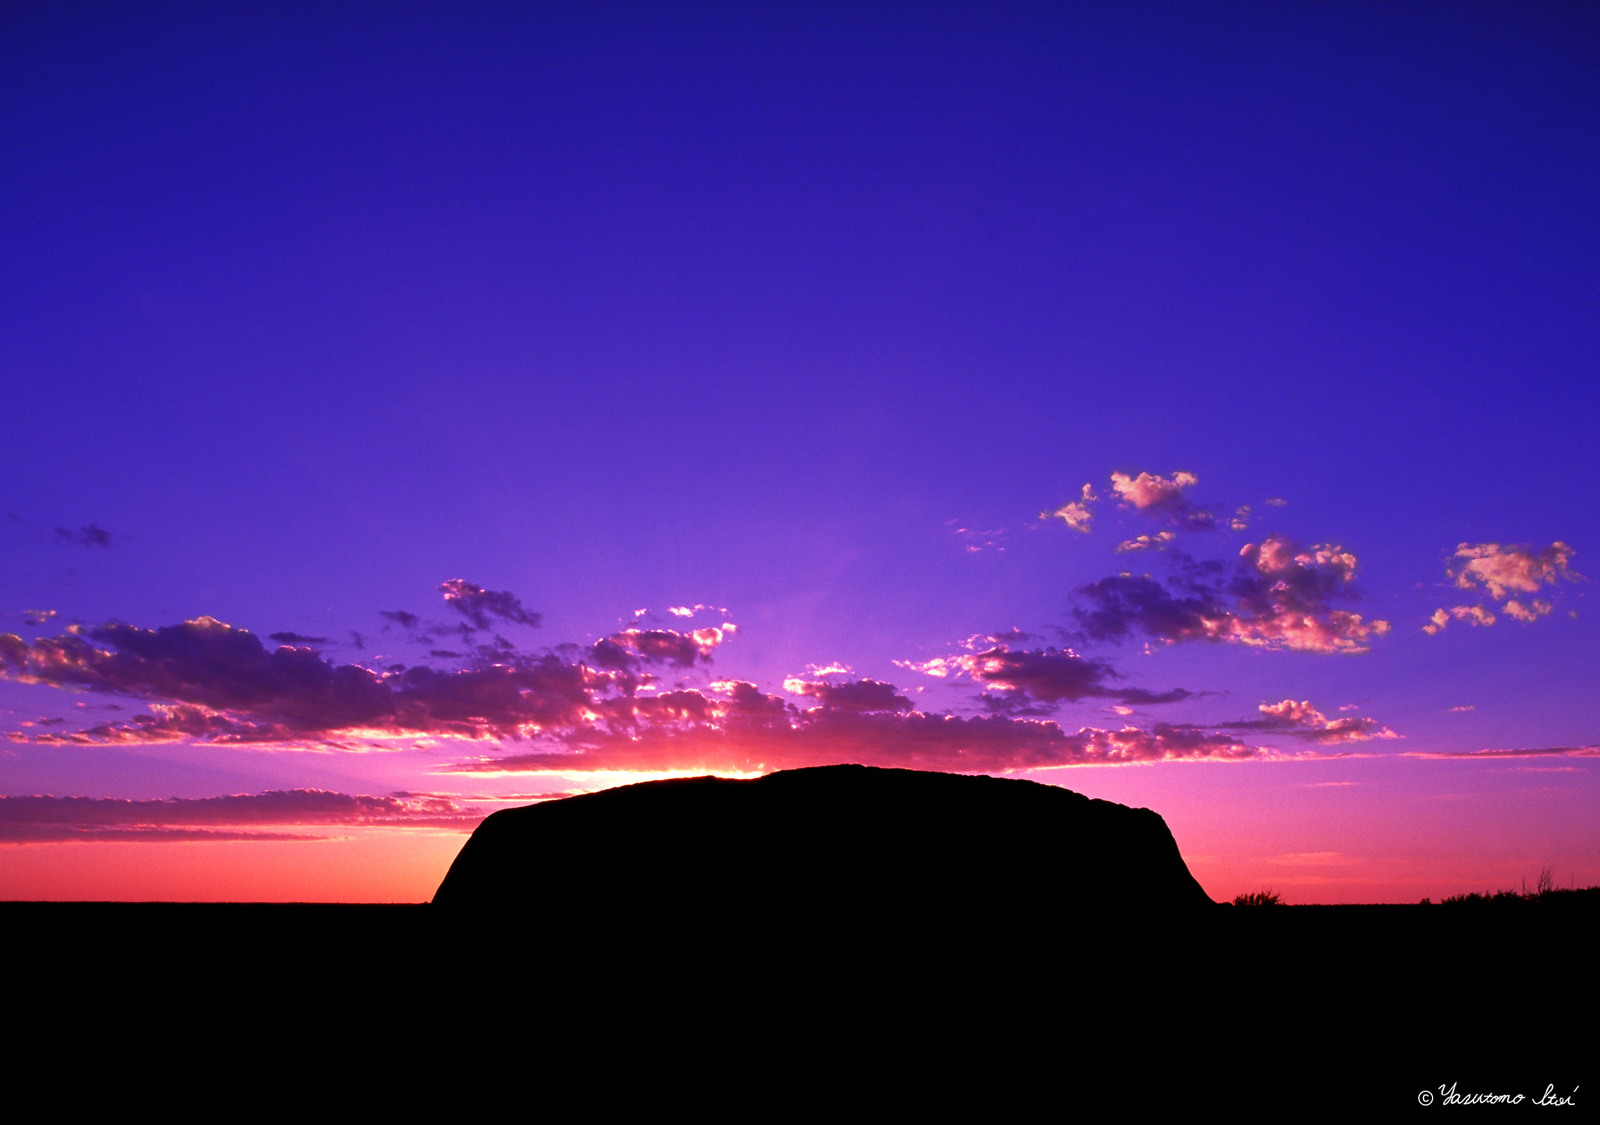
859	695
1501	569
477	605
1076	514
1466	707
626	648
1534	610
1274	596
1473	615
220	684
1303	721
90	535
1035	681
1162	496
36	616
1146	542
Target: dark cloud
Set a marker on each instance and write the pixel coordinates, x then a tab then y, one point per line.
221	684
400	617
297	639
627	648
1036	681
477	605
1274	595
90	535
857	695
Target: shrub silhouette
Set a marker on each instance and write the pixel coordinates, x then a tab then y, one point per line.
1257	898
1545	891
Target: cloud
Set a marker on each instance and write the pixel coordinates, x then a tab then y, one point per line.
668	646
1474	615
296	639
1076	514
1146	542
1542	752
90	535
399	617
1162	496
1303	721
1534	610
41	819
220	684
36	616
1034	681
477	605
908	739
1274	595
578	708
1501	570
858	695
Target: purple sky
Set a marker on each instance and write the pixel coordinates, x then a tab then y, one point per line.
818	320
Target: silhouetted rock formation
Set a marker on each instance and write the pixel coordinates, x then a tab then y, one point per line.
823	851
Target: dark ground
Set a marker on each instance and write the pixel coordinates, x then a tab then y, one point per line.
1257	1011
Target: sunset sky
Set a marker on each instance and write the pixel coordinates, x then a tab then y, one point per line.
415	410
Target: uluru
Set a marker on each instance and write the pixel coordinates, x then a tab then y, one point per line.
823	848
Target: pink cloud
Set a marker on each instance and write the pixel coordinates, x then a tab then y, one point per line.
1474	615
1149	490
1146	542
1076	514
1304	721
1501	569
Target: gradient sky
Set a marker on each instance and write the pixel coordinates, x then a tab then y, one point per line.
415	409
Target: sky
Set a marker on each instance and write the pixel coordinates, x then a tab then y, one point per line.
417	410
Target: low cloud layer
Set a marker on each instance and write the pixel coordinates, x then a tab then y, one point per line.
905	739
583	708
45	819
